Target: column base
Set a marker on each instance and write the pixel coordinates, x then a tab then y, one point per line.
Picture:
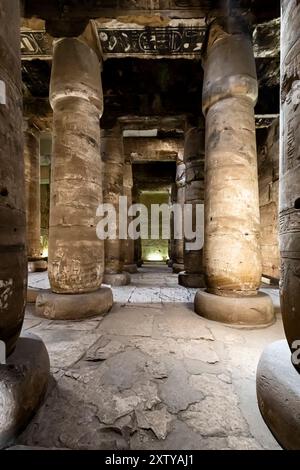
278	394
177	268
117	279
23	384
256	310
38	265
130	268
32	294
73	306
191	280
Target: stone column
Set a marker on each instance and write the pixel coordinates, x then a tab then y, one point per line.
33	198
278	378
232	255
178	264
113	160
172	200
128	244
138	259
194	151
24	361
76	254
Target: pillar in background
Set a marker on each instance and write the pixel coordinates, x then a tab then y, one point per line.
278	375
76	254
112	154
128	244
232	254
172	243
178	264
24	370
194	152
138	260
33	198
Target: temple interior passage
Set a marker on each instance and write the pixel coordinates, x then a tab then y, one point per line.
150	224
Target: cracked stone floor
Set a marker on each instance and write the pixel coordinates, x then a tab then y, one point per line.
150	375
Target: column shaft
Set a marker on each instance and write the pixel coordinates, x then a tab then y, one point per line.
194	152
113	160
128	245
13	262
178	265
76	255
290	172
232	254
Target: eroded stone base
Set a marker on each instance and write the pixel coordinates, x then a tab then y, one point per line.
278	393
177	268
23	383
130	268
248	311
73	306
32	294
118	279
191	280
39	265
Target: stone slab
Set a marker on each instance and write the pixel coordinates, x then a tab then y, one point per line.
74	306
278	394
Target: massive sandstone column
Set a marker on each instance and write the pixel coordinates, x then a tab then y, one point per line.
172	242
278	378
24	369
194	151
33	197
112	154
178	264
138	258
232	255
128	244
76	254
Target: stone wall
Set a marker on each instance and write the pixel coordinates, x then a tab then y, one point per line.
268	169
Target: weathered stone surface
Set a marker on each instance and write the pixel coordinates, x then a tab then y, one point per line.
243	443
13	263
156	420
128	323
76	254
176	392
112	154
177	323
23	383
32	192
246	310
73	307
65	346
289	203
232	225
103	349
278	393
